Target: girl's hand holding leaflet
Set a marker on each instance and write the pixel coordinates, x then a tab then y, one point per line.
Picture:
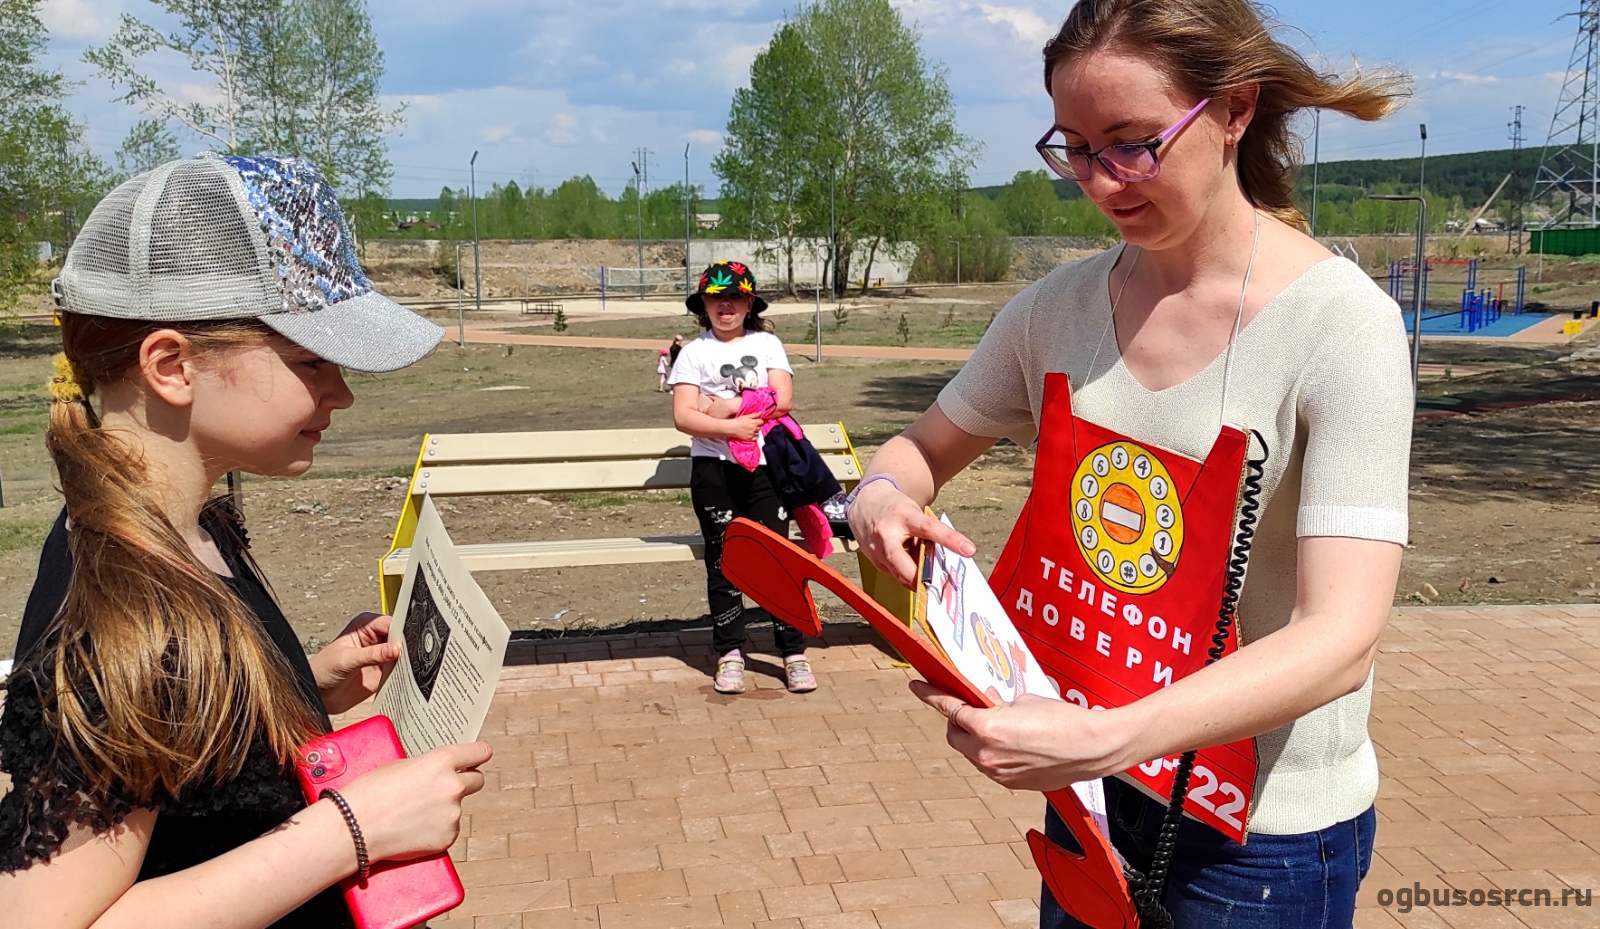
353	666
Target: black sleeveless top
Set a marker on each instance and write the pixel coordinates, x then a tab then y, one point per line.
47	794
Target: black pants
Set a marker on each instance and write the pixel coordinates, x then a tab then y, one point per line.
722	490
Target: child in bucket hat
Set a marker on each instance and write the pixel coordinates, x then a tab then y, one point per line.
736	353
727	279
207	309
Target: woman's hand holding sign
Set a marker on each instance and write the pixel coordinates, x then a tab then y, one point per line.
889	518
1033	743
888	524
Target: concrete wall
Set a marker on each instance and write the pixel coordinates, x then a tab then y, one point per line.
771	269
520	267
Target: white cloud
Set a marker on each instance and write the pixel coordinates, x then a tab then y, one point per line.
723	8
205	94
416	103
1027	25
428	13
560	130
733	65
1465	77
551	138
82	20
548	89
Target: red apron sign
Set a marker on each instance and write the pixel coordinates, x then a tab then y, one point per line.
1114	576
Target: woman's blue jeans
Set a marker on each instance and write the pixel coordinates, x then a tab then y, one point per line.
1305	881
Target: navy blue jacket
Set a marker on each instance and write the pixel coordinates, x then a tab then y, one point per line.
801	475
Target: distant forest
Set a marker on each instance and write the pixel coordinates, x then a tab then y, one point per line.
1457	185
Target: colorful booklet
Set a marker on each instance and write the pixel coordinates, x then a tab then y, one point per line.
960	614
1091	884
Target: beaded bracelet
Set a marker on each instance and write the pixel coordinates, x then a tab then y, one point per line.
363	865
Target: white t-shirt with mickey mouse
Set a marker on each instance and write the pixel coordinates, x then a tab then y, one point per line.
722	369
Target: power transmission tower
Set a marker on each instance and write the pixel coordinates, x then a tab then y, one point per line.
1514	221
1570	164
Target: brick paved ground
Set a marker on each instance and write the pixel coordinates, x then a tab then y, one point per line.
625	794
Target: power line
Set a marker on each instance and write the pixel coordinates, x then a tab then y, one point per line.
1405	143
1547	46
1438	20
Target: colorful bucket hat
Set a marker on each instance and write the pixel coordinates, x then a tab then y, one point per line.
725	277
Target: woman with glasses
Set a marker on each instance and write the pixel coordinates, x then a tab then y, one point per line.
1174	118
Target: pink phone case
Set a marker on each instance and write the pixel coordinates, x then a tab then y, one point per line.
396	894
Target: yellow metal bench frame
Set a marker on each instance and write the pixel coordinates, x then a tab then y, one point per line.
482	464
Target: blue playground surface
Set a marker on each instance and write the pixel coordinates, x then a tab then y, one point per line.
1450	323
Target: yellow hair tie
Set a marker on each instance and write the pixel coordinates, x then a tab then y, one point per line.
64	384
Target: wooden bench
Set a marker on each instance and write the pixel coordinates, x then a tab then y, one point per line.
479	464
540	307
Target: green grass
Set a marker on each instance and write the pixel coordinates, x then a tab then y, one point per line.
929	325
23	534
612	501
597	501
361	473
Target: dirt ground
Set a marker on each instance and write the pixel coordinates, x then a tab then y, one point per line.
1504	508
410	269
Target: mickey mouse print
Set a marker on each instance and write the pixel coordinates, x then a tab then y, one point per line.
748	374
724	370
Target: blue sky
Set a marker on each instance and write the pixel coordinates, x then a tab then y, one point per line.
547	90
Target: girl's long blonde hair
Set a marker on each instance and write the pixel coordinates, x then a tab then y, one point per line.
1212	47
163	678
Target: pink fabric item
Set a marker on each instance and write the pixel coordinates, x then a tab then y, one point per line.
787	422
813	522
815	529
759	402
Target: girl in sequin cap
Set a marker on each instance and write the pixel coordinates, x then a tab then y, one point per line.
207	309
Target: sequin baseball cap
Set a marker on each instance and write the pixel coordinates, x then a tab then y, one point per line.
234	237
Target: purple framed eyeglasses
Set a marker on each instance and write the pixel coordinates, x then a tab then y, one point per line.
1128	162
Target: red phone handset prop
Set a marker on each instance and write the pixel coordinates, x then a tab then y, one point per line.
776	573
1115	573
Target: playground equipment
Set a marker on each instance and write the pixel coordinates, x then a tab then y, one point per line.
1400	277
1479	309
